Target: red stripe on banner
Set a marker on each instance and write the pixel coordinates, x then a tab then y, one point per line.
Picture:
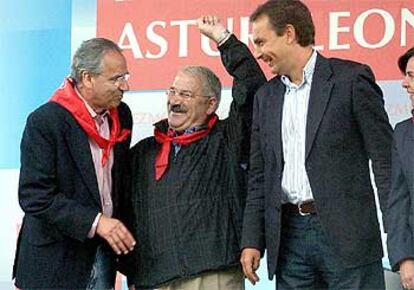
159	36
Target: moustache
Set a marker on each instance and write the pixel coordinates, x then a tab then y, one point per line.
178	108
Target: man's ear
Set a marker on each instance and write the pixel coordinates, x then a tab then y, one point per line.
86	79
290	33
212	105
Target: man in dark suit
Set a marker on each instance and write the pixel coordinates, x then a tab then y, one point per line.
316	126
73	153
400	201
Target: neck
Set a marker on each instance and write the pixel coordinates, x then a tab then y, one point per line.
301	58
87	97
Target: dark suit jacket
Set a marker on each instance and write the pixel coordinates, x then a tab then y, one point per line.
400	213
58	192
346	127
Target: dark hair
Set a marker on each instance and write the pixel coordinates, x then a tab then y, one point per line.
284	12
403	60
89	56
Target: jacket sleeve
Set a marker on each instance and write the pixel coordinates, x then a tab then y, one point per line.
247	79
39	194
368	106
253	223
400	235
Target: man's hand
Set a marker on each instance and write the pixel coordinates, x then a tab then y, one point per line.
116	234
211	27
407	274
250	260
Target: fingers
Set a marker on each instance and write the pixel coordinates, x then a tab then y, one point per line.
121	240
407	273
250	261
210	19
210	26
116	234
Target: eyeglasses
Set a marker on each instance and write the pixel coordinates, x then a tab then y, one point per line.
182	94
118	79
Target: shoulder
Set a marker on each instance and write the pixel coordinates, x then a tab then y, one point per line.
270	87
49	113
144	145
125	115
403	125
124	109
347	67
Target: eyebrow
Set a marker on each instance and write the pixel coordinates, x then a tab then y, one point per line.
119	75
257	40
185	91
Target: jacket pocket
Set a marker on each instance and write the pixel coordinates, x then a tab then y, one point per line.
39	233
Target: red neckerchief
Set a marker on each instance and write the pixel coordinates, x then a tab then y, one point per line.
67	97
161	161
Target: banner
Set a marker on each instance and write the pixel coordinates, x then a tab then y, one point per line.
160	36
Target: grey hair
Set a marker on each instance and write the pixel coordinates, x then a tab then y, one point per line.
89	56
211	85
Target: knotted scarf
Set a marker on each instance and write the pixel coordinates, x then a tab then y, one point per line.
67	97
161	161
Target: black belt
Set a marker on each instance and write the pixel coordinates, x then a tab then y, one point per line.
305	208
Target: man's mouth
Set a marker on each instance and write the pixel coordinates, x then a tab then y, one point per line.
178	109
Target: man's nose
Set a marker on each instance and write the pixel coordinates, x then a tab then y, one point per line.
257	53
124	85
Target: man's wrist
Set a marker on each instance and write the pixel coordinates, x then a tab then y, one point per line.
224	36
92	231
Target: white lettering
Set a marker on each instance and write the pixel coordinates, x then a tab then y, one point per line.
245	35
156	39
407	18
129	34
335	29
183	35
359	28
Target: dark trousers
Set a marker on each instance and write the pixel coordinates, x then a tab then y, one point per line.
308	261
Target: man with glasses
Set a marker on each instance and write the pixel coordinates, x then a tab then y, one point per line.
73	155
188	180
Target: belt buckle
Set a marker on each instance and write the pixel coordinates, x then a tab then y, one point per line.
300	210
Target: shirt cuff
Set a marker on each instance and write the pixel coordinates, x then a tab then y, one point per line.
92	231
224	37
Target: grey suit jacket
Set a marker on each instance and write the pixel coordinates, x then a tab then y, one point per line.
346	127
400	217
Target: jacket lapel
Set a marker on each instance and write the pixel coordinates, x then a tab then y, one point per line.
274	115
319	97
80	150
408	152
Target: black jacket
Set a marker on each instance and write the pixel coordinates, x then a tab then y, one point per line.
347	126
58	192
400	213
190	221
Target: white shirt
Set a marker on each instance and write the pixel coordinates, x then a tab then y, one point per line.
295	182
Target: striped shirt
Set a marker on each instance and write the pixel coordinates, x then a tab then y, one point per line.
295	183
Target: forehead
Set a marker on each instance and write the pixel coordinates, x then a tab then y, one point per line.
114	62
187	81
261	27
